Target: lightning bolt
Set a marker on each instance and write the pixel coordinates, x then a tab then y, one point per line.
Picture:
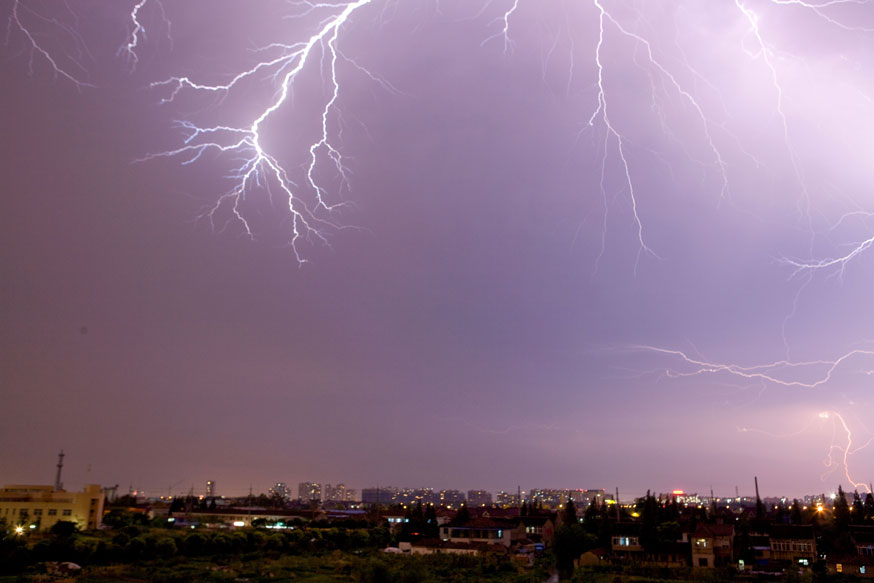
602	112
137	34
836	263
818	9
840	449
261	168
844	448
17	23
765	54
821	371
505	30
601	115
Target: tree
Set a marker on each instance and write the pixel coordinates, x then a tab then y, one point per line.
648	507
592	511
431	528
781	516
64	528
795	514
570	513
858	509
418	518
463	515
842	512
118	518
571	541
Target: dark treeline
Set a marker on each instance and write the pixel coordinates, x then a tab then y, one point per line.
132	539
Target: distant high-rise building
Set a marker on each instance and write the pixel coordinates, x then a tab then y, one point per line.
508	499
451	497
309	492
281	490
416	495
381	495
548	497
479	498
338	493
583	498
210	488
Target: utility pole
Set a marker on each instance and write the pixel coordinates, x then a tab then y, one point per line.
617	503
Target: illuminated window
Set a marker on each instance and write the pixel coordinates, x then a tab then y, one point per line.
839	568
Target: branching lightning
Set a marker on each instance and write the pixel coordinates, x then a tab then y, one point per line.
839	450
820	372
262	168
844	448
820	7
837	263
602	112
137	34
19	24
601	115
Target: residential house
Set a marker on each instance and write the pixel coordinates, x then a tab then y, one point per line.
538	528
712	545
479	530
625	543
792	544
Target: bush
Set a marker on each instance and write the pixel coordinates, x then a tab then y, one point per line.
194	544
165	547
64	528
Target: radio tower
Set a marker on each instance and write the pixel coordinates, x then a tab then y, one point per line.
58	484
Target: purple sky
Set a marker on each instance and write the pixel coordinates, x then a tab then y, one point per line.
477	321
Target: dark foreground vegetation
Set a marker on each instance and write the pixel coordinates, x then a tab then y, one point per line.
134	549
303	555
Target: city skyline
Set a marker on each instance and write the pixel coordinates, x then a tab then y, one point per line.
326	493
453	243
